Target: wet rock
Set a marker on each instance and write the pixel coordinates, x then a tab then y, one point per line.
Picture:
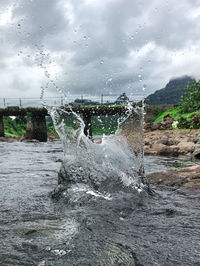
168	120
196	153
155	126
188	177
161	149
31	140
30	232
186	147
8	139
163	140
176	142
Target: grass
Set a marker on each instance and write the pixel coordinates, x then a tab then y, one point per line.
175	113
14	127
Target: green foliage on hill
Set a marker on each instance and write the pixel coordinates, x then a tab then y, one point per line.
14	127
188	112
190	101
17	127
172	92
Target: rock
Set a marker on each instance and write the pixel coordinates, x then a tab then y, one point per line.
161	149
186	147
147	126
168	119
155	126
163	140
98	141
31	140
9	139
188	177
196	153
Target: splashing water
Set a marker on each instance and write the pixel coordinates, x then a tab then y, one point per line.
99	169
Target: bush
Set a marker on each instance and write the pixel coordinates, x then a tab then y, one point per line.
190	101
189	123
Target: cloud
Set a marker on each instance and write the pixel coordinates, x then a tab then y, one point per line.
94	47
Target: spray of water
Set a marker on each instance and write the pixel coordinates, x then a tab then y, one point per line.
99	169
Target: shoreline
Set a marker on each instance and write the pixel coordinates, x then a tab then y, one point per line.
157	142
173	143
188	177
176	143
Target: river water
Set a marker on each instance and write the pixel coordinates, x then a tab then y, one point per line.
129	228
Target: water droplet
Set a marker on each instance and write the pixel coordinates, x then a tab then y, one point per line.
140	77
102	61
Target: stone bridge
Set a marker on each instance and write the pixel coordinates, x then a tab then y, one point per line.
36	122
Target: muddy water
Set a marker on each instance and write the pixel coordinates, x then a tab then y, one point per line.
127	229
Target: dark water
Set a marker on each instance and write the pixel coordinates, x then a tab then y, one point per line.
129	229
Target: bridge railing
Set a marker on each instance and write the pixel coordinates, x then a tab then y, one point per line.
60	101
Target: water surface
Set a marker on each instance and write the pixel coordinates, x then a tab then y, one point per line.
124	229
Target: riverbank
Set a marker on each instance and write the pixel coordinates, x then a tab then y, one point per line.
173	143
50	137
188	177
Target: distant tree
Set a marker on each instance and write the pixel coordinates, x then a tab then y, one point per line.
190	101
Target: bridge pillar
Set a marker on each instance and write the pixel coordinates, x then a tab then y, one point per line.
36	128
88	125
1	127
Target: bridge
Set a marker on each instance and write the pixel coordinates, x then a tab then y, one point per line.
36	122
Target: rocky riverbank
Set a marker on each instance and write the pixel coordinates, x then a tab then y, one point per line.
163	142
51	137
173	143
188	177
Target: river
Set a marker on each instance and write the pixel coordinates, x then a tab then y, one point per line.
161	228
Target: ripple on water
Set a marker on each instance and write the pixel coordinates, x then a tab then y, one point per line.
161	229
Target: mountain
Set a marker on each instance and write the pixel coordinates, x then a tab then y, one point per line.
172	92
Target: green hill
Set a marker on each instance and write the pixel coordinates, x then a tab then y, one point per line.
172	92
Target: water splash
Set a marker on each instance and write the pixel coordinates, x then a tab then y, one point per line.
99	169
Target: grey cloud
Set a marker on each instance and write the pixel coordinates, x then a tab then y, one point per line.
103	40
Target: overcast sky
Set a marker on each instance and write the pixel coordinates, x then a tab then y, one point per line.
96	46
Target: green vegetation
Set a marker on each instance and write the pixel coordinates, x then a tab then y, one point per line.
104	124
174	113
14	127
17	127
51	128
188	112
190	101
